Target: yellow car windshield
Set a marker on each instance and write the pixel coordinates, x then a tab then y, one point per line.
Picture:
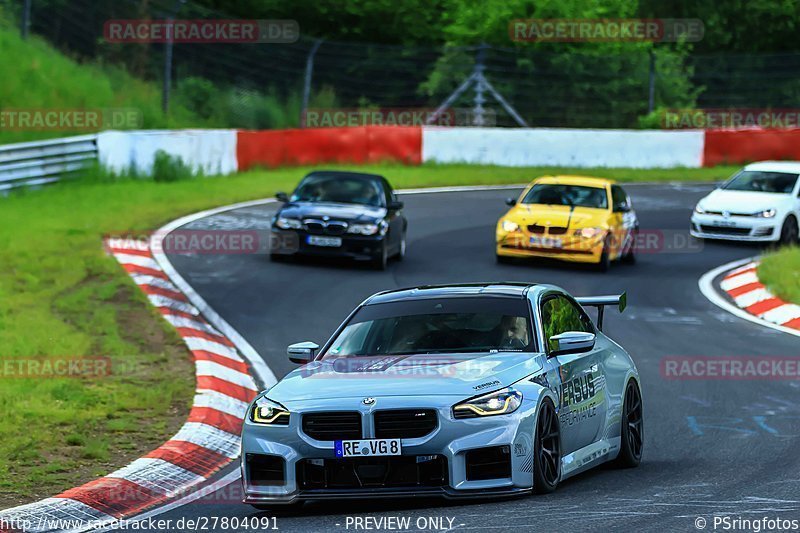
571	195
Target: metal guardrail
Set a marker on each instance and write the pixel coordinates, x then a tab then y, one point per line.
37	163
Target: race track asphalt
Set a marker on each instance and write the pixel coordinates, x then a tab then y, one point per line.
726	448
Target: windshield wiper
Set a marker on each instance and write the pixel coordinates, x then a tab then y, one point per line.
465	349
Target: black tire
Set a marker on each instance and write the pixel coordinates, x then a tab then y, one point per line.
401	253
546	450
382	259
789	231
632	428
629	257
605	258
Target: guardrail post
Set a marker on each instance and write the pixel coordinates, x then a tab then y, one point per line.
307	81
26	19
651	98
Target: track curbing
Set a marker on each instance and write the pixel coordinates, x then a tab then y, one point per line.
748	298
207	442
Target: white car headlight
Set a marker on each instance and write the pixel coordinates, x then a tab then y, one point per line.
366	229
510	226
500	402
589	233
269	413
288	223
699	210
766	213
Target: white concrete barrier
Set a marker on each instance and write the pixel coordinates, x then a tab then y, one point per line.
564	147
212	151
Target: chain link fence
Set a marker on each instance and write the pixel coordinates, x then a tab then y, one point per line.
260	85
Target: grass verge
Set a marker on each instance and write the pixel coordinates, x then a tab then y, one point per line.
780	272
38	78
61	296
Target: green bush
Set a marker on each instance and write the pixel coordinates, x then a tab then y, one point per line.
168	168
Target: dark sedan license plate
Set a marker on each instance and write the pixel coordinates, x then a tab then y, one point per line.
367	447
330	242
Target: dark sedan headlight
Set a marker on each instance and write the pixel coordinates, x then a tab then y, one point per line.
367	229
269	413
288	223
500	402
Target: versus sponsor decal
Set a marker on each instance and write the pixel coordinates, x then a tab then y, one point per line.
578	392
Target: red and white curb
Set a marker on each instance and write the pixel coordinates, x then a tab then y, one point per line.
207	442
210	438
751	300
747	291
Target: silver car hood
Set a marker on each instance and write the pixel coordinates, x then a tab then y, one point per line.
427	375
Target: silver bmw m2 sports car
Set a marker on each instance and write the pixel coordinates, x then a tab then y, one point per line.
461	391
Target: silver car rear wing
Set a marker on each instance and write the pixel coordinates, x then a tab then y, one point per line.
600	302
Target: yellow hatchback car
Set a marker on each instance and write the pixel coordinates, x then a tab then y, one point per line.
572	218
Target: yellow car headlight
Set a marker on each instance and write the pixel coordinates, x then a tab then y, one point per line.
510	226
500	402
269	413
589	233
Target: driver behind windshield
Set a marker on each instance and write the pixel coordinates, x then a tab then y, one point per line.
757	181
433	333
570	195
338	190
513	333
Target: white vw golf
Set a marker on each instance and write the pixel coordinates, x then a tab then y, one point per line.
759	203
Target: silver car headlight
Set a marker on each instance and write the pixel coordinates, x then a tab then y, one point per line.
500	402
766	213
366	229
269	413
699	210
288	223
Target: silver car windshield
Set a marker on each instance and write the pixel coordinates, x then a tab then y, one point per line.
758	181
461	325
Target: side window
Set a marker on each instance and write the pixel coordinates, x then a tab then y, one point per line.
388	192
619	196
560	315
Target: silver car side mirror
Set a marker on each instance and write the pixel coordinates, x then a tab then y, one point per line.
572	342
302	352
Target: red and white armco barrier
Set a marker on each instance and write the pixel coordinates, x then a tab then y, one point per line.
563	147
227	151
208	441
210	151
749	294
